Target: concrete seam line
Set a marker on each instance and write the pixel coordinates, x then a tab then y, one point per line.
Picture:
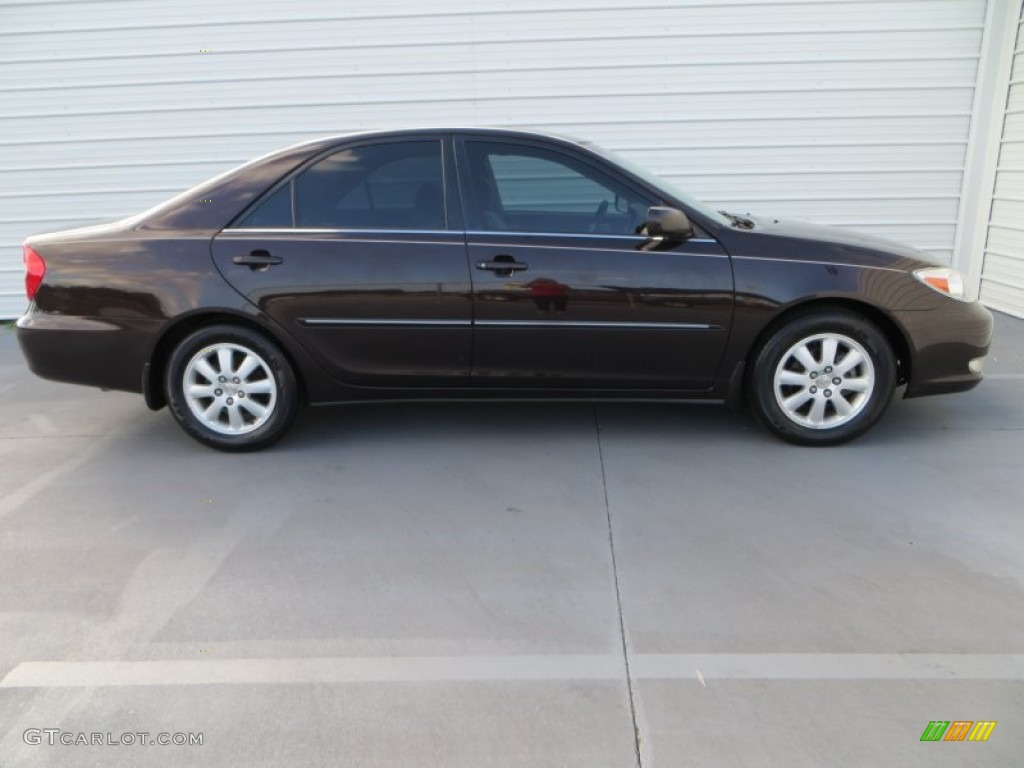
637	741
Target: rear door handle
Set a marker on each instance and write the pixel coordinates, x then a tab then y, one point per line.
257	259
503	265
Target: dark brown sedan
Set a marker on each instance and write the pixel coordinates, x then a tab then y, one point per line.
486	263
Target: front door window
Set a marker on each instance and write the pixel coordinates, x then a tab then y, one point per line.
521	188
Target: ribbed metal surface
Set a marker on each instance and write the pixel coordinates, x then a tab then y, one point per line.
1002	274
839	111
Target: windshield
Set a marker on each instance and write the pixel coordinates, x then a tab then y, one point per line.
660	183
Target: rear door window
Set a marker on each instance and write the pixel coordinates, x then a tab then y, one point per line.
388	186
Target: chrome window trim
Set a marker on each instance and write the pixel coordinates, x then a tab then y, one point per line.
319	231
591	235
468	233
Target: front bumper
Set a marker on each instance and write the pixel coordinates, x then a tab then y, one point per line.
943	344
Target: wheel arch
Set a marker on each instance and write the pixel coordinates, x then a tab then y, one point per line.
895	335
173	334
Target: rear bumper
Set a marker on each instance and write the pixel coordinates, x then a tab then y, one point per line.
95	352
944	343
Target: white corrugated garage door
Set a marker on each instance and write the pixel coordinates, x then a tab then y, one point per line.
844	112
1002	272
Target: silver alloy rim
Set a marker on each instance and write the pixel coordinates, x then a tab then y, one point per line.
230	389
824	381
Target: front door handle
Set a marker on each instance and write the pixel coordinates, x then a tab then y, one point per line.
257	259
503	265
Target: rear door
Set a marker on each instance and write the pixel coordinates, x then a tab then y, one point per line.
567	294
361	256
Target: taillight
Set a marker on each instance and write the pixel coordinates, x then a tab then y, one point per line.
35	269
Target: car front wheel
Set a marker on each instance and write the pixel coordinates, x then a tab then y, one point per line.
231	388
823	377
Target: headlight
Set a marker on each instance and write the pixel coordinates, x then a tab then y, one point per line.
944	280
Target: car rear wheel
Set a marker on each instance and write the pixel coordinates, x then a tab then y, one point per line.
823	377
231	388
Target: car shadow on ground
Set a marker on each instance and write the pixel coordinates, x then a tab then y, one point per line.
429	422
995	405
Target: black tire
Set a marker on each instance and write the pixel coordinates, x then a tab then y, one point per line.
278	393
835	422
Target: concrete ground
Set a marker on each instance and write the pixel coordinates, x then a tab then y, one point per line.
511	585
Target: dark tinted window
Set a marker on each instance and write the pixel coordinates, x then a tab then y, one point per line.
275	212
520	188
379	186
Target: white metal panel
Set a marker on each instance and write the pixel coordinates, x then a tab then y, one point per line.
1002	270
848	112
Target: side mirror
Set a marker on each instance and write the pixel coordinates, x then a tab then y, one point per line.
668	223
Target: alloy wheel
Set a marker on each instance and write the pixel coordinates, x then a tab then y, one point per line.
824	381
229	388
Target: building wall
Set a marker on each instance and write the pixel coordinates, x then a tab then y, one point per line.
847	112
1001	270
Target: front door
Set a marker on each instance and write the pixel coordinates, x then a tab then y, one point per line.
567	294
355	257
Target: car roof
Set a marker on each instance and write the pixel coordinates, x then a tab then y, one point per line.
424	130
